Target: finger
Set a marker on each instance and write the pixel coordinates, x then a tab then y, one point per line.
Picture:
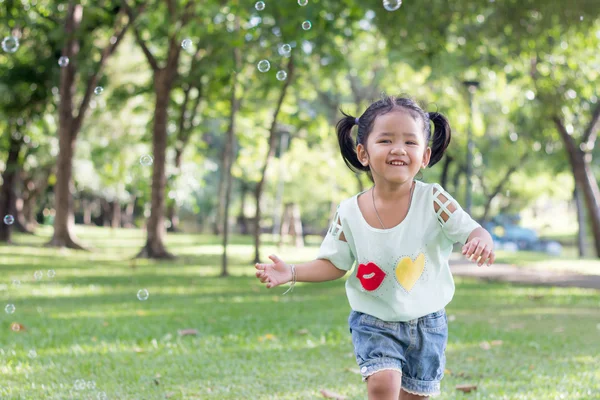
484	256
478	251
472	245
275	259
492	259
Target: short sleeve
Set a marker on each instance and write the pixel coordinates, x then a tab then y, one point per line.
335	247
456	224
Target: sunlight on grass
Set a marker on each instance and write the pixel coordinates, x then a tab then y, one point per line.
87	323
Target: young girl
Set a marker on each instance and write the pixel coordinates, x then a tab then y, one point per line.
400	233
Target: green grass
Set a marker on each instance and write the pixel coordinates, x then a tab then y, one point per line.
87	323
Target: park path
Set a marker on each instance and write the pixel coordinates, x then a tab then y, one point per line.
526	276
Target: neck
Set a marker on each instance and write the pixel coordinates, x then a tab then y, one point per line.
386	192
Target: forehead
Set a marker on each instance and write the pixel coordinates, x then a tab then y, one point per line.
396	121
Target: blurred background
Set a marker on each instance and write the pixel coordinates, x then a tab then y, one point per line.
218	116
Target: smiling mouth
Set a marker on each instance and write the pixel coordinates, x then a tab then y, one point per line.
398	164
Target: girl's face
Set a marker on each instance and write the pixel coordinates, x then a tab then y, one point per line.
396	148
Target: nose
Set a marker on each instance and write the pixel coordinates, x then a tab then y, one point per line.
399	150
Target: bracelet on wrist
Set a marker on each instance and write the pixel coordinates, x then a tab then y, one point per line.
293	267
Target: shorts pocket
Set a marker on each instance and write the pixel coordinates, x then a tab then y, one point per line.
434	322
370	320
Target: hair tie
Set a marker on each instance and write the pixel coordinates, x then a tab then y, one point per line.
356	120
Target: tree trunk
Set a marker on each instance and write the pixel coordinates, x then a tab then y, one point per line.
7	192
584	177
271	152
580	222
499	187
228	155
155	227
87	207
297	226
128	216
242	220
69	125
221	190
115	214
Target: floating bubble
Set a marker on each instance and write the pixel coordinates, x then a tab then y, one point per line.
9	219
146	160
285	49
16	282
186	44
63	61
79	384
91	385
99	89
264	65
10	308
260	5
10	44
142	294
102	396
32	354
281	75
306	25
51	273
302	3
38	275
15	327
392	5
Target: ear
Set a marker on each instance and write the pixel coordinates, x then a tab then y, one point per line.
362	154
426	157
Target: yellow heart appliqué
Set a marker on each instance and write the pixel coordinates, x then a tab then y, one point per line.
408	271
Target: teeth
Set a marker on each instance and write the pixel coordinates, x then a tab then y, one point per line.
369	276
397	163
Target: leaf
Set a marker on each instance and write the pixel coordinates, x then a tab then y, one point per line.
187	332
466	388
331	395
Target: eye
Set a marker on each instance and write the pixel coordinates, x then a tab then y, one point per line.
385	141
411	143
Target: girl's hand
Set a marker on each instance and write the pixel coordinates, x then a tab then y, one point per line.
480	249
274	274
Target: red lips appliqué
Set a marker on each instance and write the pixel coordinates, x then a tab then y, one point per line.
370	276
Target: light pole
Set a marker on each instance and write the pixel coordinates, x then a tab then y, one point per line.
471	87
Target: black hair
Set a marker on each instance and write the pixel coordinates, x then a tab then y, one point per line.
439	142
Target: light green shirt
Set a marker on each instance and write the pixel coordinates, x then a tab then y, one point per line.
401	273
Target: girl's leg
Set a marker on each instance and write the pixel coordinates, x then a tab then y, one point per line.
404	395
384	385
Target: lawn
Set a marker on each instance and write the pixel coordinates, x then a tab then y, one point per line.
84	334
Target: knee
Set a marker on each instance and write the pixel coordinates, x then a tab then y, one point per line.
384	384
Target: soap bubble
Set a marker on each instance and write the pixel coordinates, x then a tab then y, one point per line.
285	49
264	65
79	384
98	90
38	275
392	5
186	44
9	219
146	160
281	75
51	273
260	5
10	308
302	3
15	327
142	294
102	396
91	385
32	354
16	282
306	25
10	44
63	61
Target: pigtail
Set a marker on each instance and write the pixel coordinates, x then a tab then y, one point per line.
347	146
441	137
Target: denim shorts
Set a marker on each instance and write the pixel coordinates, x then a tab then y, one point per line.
415	348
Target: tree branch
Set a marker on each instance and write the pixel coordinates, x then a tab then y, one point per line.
591	132
93	80
151	60
187	14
